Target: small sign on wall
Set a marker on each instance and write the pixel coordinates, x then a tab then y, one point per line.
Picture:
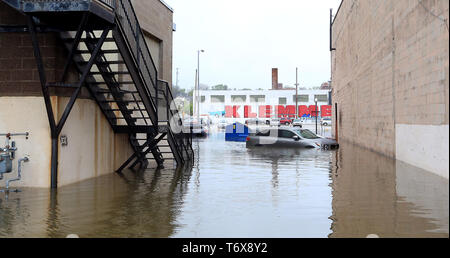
63	140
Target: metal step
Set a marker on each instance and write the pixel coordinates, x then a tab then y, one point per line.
108	73
120	101
114	84
70	40
128	110
134	118
110	51
102	63
105	91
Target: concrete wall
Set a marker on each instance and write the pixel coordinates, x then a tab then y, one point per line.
156	20
93	149
391	80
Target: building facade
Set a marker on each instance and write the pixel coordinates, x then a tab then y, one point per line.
390	79
156	19
91	148
244	104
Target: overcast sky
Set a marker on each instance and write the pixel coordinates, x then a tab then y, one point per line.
244	39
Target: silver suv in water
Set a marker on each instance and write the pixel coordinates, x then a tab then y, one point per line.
285	137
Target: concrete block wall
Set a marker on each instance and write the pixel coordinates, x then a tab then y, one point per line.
390	77
18	70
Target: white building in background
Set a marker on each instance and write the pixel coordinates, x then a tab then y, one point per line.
241	105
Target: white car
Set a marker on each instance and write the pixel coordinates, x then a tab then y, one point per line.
325	121
275	122
297	123
222	124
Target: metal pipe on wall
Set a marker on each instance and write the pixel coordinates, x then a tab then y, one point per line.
19	173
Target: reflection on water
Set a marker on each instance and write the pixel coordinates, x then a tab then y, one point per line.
232	191
375	194
142	204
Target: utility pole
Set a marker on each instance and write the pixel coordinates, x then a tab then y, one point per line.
296	93
198	84
317	114
177	77
194	96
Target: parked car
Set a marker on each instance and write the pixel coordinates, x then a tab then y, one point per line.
222	124
326	121
286	121
275	122
297	123
255	121
197	129
285	137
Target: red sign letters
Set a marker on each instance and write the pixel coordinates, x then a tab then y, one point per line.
265	111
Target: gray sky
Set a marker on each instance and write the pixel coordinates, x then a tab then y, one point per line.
244	39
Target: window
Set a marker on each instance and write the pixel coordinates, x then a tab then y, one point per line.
257	98
321	98
202	99
265	133
307	134
285	134
302	98
282	101
238	98
217	99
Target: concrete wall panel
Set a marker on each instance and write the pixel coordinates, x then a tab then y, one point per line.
424	146
390	68
93	149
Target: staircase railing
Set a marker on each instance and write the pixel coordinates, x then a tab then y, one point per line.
109	3
164	105
168	112
131	29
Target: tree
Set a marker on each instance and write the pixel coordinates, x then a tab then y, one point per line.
220	87
178	92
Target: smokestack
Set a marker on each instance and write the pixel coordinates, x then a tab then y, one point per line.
274	78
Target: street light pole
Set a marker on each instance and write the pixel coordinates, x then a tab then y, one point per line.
198	85
177	76
316	114
296	93
194	97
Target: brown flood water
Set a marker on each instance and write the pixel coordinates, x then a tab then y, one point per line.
235	192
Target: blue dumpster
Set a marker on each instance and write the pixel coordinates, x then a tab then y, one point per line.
236	132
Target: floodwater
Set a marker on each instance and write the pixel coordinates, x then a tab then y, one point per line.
233	192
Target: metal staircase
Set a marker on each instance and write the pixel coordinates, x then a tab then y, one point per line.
107	47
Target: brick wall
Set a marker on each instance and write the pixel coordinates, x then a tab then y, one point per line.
18	71
390	67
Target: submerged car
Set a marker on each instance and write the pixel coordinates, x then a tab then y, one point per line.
275	122
255	121
222	124
297	123
290	138
286	121
326	121
197	130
